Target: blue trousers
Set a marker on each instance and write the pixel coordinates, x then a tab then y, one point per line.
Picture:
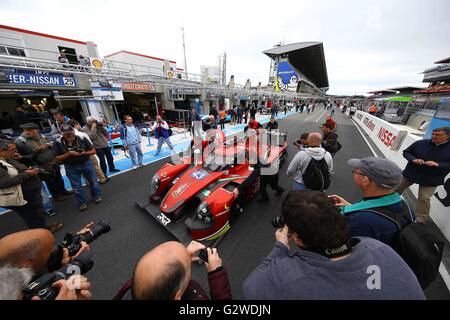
74	173
136	155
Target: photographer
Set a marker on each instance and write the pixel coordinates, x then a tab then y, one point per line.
20	189
98	134
170	278
329	264
36	150
35	250
161	130
74	152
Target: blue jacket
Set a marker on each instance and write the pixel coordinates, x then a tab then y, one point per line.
364	223
160	130
427	151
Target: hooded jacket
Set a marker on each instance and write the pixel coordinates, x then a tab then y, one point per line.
301	160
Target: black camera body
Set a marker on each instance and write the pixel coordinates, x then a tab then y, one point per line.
278	222
42	286
99	124
73	242
203	254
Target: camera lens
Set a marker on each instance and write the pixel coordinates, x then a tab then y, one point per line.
278	222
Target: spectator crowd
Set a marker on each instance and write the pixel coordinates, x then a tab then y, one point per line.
324	246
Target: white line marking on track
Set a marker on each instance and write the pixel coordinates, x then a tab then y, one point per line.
365	139
321	116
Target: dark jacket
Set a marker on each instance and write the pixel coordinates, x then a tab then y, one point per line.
97	135
195	117
214	112
271	126
329	142
427	151
365	223
219	287
28	149
27	181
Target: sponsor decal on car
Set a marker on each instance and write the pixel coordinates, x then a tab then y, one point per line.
163	219
178	191
199	174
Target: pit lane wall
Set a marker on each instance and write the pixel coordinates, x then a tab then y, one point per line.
391	141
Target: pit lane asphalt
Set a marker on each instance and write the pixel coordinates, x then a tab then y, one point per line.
248	242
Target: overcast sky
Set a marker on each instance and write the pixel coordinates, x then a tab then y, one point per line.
368	45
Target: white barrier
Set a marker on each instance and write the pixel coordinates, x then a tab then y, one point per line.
391	141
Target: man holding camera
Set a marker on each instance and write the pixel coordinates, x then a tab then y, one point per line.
98	134
329	264
35	250
36	150
161	130
74	153
170	278
20	189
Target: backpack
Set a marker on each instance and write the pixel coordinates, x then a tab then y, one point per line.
316	175
417	244
170	132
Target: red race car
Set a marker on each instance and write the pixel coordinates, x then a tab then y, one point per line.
196	201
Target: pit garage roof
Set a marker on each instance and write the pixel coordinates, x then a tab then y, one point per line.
386	91
446	60
306	57
406	89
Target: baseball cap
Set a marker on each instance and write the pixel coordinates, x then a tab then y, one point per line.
29	126
66	128
385	173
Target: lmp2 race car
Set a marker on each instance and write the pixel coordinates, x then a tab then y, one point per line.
195	201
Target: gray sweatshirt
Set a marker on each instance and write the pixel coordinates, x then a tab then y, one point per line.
306	275
301	160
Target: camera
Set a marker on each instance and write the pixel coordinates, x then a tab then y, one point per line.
73	242
278	222
203	254
42	286
99	124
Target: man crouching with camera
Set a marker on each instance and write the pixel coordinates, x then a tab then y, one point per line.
35	251
329	264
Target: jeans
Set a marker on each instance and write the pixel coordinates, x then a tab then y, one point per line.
136	155
46	201
74	173
102	153
161	140
298	186
33	212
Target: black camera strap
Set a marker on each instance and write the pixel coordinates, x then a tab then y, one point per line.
341	251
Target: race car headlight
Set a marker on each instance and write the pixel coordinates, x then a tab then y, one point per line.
203	212
154	185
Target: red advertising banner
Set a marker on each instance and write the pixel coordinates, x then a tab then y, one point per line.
138	86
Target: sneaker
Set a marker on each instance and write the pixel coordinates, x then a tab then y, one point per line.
98	199
114	170
83	206
50	212
135	167
55	227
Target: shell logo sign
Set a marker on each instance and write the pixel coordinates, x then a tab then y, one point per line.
96	63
